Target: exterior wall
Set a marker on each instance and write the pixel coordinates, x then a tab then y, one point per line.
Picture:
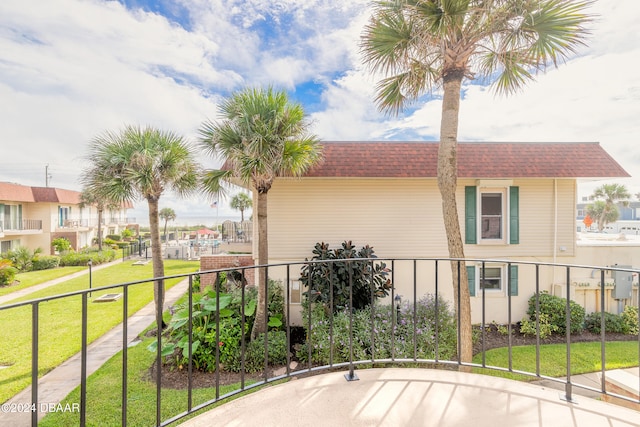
402	218
216	262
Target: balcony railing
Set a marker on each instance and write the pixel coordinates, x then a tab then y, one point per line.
420	276
24	225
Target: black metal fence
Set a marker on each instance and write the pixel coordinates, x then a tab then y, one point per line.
408	277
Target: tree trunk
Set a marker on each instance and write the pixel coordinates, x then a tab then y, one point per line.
447	183
260	325
100	229
156	257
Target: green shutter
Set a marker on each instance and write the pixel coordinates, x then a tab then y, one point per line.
513	281
470	212
471	273
514	216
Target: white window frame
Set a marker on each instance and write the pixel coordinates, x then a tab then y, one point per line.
491	291
504	218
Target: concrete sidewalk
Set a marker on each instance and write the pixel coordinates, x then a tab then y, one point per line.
58	383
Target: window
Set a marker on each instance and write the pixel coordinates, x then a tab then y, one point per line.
492	214
494	280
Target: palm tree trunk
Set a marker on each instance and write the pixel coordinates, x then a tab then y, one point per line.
156	257
100	230
259	325
447	183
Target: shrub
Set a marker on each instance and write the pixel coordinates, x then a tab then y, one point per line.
83	257
368	279
387	339
45	262
630	319
219	330
555	309
528	327
22	257
61	244
7	272
254	353
612	323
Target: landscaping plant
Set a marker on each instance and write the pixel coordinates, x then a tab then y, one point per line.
554	309
392	335
221	321
346	265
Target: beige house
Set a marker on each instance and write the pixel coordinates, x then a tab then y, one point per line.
516	201
34	216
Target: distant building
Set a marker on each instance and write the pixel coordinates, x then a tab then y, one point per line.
33	216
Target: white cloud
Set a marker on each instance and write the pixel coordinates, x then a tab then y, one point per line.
71	69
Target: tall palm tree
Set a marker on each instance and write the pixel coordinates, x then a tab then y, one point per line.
142	163
262	135
166	214
608	195
241	202
420	46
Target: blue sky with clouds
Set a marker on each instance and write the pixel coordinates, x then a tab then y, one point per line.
71	69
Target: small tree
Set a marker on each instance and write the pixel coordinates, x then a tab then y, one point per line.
604	210
241	202
369	278
166	214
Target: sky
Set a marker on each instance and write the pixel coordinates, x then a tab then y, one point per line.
71	70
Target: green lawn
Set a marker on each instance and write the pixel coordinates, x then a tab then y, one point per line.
585	358
60	320
104	394
32	278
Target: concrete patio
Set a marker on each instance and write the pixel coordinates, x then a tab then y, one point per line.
413	397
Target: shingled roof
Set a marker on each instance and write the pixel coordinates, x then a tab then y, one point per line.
475	160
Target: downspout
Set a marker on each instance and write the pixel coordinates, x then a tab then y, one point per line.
555	226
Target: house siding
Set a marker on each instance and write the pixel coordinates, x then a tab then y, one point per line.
402	218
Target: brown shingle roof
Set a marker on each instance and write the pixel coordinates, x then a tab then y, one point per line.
15	192
21	193
475	160
55	195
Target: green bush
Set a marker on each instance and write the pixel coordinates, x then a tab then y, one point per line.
555	309
219	330
22	257
83	257
528	327
112	237
7	272
630	319
45	262
254	353
390	339
612	323
369	279
61	244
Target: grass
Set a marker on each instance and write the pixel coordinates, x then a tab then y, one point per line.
60	320
585	358
104	394
33	278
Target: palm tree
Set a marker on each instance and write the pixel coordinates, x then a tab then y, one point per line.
241	202
166	214
262	136
605	209
142	163
423	45
88	198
